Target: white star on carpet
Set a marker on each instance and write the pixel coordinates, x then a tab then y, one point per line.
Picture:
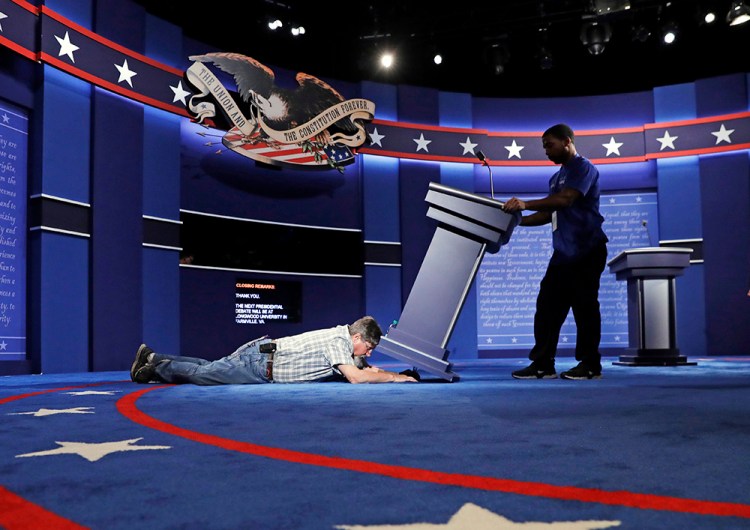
421	142
667	141
722	135
468	146
66	47
95	451
612	146
179	93
93	393
126	74
375	137
473	517
52	412
514	149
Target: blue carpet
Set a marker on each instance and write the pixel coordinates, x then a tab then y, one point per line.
642	448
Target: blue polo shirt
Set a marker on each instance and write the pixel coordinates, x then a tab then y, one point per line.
578	228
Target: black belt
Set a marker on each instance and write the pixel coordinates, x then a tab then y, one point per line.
269	348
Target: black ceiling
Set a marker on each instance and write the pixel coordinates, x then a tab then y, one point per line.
341	38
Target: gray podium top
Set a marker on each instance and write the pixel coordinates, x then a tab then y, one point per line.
650	262
477	216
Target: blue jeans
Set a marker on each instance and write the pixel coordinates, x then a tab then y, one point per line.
245	366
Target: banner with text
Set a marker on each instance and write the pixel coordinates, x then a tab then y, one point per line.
508	281
14	126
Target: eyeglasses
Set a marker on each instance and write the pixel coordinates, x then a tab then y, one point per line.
369	346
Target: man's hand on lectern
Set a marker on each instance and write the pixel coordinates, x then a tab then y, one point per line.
514	205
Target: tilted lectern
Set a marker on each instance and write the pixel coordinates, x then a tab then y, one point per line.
468	226
650	273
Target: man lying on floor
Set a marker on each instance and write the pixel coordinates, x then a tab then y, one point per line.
334	354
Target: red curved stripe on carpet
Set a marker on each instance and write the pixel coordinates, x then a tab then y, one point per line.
16	513
127	407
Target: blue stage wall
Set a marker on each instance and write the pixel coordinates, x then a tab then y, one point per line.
120	165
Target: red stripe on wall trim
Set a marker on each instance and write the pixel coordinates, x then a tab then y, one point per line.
643	501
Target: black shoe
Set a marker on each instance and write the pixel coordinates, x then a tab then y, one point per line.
146	374
582	371
141	359
535	371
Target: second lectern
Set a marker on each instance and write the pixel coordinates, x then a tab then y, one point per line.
468	226
650	273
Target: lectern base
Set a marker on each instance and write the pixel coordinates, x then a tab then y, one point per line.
665	357
411	354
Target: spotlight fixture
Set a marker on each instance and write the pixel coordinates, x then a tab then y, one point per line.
739	13
438	59
670	34
298	30
498	56
641	33
595	35
546	61
275	24
710	17
386	60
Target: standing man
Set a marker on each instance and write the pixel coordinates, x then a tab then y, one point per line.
333	354
578	259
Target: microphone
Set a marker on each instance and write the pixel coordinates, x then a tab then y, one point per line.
644	224
484	160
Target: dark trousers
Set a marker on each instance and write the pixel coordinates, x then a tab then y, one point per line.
567	286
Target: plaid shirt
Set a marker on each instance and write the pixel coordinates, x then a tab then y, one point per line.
311	356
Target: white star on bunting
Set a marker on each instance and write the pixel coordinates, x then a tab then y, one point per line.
375	137
179	93
667	141
126	74
722	135
95	451
422	143
613	147
2	16
514	150
67	47
473	517
468	146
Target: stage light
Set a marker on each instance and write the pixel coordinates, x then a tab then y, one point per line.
498	57
709	18
641	33
670	34
275	24
739	13
387	60
546	61
595	35
298	30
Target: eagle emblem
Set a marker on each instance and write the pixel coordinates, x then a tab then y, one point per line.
311	125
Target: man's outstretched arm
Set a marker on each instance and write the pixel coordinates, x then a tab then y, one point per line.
372	375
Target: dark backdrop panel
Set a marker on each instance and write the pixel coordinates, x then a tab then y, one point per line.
416	229
240	244
725	188
734	96
590	112
117	235
216	180
208	309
